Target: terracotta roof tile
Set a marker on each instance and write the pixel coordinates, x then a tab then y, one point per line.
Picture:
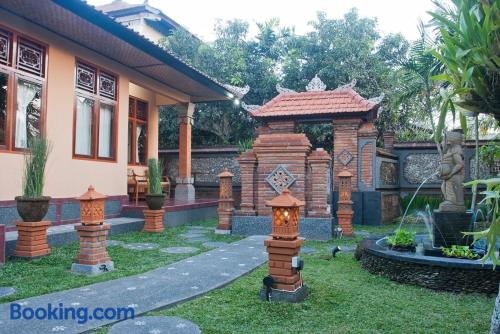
315	103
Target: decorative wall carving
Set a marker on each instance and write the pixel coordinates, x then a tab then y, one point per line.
345	157
280	179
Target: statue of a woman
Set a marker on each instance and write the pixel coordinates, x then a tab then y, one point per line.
452	172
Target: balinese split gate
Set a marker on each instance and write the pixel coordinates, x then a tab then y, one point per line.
282	158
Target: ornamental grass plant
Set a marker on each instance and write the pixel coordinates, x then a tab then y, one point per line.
35	160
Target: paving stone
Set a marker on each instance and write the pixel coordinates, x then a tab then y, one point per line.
192	235
179	250
155	325
7	291
195	227
363	234
141	246
348	249
114	243
197	231
197	239
308	250
215	244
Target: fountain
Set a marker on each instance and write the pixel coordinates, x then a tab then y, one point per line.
428	266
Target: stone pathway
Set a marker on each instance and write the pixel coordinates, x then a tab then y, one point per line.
155	325
148	291
6	291
308	250
111	243
215	244
141	246
179	250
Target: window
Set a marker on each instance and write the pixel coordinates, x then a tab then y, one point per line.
137	131
95	113
22	87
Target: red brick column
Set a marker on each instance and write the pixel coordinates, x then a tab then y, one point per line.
32	239
345	145
389	140
92	244
153	221
226	201
184	189
367	135
248	163
281	253
344	212
289	150
317	202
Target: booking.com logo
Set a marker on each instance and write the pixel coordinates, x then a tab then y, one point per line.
60	312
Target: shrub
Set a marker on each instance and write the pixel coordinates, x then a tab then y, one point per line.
402	238
420	202
154	174
35	160
462	252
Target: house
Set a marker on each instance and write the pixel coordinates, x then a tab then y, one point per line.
93	87
142	18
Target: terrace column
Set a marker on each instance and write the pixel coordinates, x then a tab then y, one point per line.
184	189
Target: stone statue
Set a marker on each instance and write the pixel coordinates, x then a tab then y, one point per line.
452	172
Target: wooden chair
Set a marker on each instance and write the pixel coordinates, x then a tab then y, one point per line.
137	184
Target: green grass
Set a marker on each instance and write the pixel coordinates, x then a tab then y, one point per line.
52	273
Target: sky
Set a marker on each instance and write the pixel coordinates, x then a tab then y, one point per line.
199	16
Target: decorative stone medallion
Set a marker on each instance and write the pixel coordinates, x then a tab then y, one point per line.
155	325
280	179
345	157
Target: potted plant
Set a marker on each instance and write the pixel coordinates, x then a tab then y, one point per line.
32	206
155	196
402	240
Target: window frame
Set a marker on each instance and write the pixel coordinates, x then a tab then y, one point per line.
14	74
96	111
135	121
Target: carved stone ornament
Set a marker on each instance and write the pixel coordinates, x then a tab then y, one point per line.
280	179
345	157
238	91
281	89
377	99
249	107
350	85
316	85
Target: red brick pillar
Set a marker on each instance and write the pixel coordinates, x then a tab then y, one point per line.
226	202
317	202
32	239
389	140
92	258
184	189
153	221
284	244
345	149
367	140
248	164
344	212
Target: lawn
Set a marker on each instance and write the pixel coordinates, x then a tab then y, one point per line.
52	273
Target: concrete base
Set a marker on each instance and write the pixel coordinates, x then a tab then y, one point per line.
92	270
286	296
448	228
310	228
184	191
219	231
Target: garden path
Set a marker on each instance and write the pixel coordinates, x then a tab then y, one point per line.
159	288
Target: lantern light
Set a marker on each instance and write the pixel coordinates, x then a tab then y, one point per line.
285	224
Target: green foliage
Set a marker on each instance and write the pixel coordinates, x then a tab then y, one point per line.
245	144
469	49
491	200
35	160
420	202
490	153
402	238
461	252
155	169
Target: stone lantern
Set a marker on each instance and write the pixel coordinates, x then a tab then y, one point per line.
284	282
344	212
93	258
226	202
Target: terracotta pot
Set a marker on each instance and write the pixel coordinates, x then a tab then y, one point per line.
32	209
155	201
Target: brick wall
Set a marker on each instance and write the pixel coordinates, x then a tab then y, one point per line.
345	141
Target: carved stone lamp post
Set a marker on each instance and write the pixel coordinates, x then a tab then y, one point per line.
284	282
92	259
226	202
344	212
